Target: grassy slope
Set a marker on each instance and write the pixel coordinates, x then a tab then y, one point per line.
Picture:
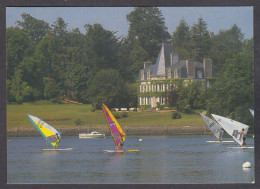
66	114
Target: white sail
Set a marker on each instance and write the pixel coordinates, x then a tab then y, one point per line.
213	126
232	127
252	112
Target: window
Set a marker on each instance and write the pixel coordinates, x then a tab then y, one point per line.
142	75
199	74
169	73
148	74
176	73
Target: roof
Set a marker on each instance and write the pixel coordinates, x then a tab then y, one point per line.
163	62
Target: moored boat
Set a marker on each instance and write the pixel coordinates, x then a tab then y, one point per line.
93	134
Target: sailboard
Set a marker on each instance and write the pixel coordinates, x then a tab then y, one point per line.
242	147
51	135
226	141
212	125
57	149
252	112
232	127
116	131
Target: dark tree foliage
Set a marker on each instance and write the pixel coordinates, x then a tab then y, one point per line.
232	94
34	28
109	88
181	39
147	26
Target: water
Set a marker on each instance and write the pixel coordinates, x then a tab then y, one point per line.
161	160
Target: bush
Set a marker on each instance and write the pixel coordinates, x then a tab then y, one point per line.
124	114
93	108
55	101
176	115
78	122
117	115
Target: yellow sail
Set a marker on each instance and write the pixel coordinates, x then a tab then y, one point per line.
117	133
48	132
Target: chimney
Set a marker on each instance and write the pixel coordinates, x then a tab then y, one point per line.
174	57
207	66
190	66
147	63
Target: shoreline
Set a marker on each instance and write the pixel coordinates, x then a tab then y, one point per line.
129	130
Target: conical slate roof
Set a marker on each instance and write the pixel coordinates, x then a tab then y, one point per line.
163	60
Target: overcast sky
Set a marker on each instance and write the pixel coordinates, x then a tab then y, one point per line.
114	18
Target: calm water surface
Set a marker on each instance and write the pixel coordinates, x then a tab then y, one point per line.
172	160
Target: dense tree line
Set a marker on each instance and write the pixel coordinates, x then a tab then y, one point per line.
47	61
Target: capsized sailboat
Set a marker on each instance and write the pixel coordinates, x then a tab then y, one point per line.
51	135
214	127
232	127
116	131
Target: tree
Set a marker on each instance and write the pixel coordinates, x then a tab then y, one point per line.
192	97
18	47
138	55
148	27
233	91
59	27
109	88
200	40
18	88
35	29
102	48
181	39
225	44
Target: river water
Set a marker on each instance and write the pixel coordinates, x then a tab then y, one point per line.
184	159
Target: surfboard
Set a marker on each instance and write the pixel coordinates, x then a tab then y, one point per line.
57	149
121	151
242	147
219	141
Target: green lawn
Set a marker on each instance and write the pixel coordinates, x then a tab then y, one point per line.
66	114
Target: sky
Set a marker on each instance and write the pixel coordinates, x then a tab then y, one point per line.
114	18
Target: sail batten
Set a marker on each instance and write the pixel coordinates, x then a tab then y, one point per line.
116	131
232	127
47	131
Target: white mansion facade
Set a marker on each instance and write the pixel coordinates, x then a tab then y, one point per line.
155	79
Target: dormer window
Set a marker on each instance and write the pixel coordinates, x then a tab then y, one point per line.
148	74
142	75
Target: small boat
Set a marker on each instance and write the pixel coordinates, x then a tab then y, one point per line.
93	134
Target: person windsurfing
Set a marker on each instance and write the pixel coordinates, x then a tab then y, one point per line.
243	133
221	134
58	140
121	142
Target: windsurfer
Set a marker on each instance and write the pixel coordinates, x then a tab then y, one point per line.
121	142
243	133
221	134
58	140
